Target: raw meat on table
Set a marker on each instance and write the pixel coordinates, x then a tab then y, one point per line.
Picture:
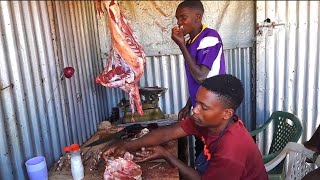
125	62
122	168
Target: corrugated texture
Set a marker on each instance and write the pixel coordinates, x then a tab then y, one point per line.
288	64
40	112
168	71
239	63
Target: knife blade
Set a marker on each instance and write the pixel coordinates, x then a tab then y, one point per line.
116	135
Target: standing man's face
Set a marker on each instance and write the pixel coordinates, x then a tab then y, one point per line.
188	18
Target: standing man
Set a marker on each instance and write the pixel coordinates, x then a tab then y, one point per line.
203	52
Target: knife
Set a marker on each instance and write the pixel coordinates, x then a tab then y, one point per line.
117	135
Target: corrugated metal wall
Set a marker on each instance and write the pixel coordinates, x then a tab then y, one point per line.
288	64
41	112
239	63
168	71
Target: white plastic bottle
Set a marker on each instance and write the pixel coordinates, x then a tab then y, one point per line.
77	169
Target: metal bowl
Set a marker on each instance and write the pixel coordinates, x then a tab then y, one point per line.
146	91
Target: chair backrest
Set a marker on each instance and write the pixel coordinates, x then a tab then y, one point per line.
297	167
295	156
286	128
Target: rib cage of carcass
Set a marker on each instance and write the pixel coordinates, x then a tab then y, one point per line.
125	62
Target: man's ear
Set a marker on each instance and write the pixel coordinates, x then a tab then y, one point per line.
228	113
199	18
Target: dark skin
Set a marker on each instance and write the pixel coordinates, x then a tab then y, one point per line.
314	141
185	112
190	20
209	112
312	144
313	175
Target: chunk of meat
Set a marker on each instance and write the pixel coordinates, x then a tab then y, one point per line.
122	168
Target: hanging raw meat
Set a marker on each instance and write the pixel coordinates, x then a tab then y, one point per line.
125	62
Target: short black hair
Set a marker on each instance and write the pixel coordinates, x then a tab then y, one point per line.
197	5
227	87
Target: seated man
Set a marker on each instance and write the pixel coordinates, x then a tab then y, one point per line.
229	153
314	145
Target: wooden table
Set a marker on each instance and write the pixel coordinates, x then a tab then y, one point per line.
154	170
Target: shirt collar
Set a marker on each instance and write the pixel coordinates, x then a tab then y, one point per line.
191	41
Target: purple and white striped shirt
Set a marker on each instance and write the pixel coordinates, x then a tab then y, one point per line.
207	49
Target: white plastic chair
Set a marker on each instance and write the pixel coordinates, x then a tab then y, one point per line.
295	167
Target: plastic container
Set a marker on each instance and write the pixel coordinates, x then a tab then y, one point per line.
77	169
37	168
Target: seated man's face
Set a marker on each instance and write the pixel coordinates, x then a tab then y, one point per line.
209	110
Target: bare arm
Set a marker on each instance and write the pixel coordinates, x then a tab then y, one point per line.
155	137
198	72
185	171
185	111
188	104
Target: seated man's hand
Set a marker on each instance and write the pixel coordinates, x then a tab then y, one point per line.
117	150
155	152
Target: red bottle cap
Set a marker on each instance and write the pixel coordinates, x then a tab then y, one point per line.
73	147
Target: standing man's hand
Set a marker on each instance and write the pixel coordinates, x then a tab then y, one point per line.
184	112
177	36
